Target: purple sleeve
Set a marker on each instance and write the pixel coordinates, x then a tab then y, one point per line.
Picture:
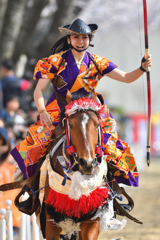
110	67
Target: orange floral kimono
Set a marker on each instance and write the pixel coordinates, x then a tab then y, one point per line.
83	81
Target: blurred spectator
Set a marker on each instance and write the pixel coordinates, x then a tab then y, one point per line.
14	119
27	96
12	113
32	114
7	168
4	144
11	85
1	99
6	175
1	122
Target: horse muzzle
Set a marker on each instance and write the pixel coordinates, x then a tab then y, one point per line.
87	167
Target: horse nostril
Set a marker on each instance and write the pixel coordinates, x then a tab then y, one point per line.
88	164
82	162
94	162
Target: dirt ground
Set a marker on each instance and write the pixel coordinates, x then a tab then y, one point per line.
147	208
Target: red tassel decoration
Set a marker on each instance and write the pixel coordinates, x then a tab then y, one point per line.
72	208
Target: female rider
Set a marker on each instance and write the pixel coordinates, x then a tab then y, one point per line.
71	69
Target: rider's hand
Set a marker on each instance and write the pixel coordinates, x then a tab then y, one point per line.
146	62
45	119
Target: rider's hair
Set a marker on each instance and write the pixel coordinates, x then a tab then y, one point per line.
60	45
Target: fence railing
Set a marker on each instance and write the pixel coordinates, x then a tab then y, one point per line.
29	229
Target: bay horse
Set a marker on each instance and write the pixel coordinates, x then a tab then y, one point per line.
76	196
69	191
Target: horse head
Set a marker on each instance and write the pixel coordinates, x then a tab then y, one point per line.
84	134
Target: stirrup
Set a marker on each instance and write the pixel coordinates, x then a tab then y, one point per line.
127	207
28	206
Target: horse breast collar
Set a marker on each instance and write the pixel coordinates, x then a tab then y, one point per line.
84	104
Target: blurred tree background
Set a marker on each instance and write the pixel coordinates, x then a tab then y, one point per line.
30	27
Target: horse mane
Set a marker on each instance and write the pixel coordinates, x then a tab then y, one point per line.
75	96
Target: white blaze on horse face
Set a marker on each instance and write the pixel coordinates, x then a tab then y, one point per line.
84	124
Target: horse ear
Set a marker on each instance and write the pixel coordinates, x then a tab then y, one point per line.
94	95
68	96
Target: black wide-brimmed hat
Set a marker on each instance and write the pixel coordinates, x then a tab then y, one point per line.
78	27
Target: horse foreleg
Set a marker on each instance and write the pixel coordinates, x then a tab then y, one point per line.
52	231
89	230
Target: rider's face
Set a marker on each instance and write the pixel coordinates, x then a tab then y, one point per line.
79	42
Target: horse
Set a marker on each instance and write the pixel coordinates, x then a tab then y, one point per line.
76	196
69	191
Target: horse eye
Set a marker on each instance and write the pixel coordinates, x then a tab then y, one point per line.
70	126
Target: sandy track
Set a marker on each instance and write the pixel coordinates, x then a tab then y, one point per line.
147	208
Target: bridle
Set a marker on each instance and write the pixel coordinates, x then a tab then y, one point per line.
67	145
